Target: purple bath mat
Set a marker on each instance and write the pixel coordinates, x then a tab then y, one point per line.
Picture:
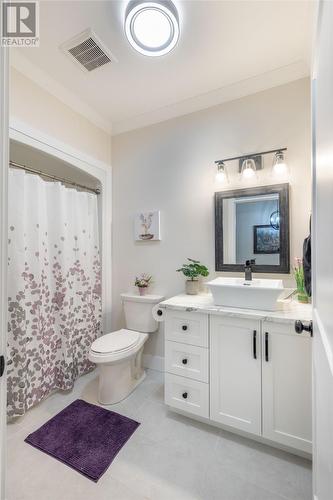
84	436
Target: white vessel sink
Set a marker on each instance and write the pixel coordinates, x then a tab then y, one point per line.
237	292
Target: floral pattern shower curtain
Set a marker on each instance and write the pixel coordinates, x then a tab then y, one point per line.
54	289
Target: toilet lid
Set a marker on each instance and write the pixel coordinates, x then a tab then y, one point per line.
115	341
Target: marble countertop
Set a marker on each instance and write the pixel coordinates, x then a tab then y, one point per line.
286	311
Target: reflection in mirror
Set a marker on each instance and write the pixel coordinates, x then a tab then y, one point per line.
252	224
247	222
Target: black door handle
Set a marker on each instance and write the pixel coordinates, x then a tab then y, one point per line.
266	347
254	345
300	327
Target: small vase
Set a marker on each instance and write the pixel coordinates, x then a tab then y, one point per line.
302	297
143	290
192	287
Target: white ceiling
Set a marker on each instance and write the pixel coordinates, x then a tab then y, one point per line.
227	49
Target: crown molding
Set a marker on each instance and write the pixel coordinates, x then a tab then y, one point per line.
43	80
231	92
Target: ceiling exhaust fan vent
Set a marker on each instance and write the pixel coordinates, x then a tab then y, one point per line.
88	51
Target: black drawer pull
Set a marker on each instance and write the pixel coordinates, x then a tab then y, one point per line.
184	361
2	365
185	395
184	327
266	347
254	345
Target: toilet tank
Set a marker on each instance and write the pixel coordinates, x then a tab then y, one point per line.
138	311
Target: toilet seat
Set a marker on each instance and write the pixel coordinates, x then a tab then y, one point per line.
116	346
116	342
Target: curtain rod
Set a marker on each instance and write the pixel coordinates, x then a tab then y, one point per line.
54	177
252	155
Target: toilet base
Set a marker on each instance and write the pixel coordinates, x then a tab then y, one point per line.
118	381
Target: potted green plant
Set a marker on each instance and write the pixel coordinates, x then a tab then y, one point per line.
143	282
192	272
302	296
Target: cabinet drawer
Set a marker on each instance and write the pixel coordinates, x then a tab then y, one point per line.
186	360
186	394
187	327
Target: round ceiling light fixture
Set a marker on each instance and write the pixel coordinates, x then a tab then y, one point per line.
152	28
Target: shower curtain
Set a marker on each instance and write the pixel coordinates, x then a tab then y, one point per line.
54	287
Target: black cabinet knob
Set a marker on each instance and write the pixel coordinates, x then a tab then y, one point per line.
300	327
184	327
184	361
184	395
159	312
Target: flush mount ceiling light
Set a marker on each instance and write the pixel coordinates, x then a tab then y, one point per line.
152	28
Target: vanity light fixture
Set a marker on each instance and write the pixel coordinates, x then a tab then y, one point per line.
250	164
280	166
152	28
222	174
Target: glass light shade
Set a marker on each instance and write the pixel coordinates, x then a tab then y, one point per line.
152	28
249	170
222	174
280	166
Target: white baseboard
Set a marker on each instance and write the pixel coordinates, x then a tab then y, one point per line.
153	362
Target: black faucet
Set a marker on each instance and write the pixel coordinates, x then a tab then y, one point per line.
248	269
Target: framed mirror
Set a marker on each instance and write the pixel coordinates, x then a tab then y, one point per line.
253	223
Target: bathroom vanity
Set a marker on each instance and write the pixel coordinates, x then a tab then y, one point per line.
243	369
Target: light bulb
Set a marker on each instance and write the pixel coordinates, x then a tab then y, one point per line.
248	172
248	169
280	168
221	174
279	165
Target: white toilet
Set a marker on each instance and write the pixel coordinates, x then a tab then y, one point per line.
118	355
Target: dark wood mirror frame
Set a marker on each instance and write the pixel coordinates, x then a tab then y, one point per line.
283	191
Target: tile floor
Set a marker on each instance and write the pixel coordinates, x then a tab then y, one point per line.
169	457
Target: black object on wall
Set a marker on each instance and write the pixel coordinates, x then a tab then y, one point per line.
307	263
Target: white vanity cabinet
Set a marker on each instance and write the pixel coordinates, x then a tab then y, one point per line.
247	372
286	385
235	373
187	361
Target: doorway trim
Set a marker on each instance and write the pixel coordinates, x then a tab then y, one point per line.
4	151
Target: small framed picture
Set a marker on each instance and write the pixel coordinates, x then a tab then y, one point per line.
266	240
147	226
